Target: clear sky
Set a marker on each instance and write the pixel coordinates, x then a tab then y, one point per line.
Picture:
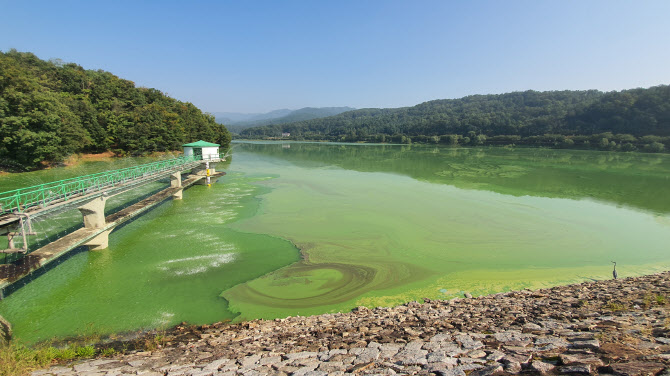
257	56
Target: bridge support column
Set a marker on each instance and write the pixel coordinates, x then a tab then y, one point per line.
99	242
94	212
11	233
94	217
175	182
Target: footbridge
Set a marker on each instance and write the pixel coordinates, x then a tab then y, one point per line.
89	193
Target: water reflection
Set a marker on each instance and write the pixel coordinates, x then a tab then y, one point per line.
629	179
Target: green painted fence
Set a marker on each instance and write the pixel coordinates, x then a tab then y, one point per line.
21	199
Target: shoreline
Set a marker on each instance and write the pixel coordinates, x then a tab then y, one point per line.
495	145
603	327
78	158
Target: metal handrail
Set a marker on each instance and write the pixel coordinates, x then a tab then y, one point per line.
18	200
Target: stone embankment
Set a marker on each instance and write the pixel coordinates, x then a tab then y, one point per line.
618	327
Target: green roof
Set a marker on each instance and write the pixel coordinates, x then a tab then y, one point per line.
201	144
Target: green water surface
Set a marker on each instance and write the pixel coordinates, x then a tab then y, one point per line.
375	225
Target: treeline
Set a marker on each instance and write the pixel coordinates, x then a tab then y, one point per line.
50	110
627	120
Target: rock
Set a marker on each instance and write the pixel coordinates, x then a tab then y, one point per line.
87	367
541	367
270	360
531	327
300	355
374	345
316	373
414	345
388	350
495	355
469	367
303	370
637	368
446	372
568	359
514	338
476	354
368	355
468	343
443	361
576	369
555	342
441	337
518	358
409	357
587	344
250	360
452	349
195	373
487	371
217	364
466	360
361	367
287	369
468	295
512	367
327	355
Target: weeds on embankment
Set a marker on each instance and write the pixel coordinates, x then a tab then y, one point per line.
19	360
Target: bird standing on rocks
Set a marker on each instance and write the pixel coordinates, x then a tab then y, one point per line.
614	273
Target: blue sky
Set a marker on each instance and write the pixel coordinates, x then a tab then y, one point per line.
257	56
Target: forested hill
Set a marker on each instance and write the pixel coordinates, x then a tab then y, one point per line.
49	110
553	118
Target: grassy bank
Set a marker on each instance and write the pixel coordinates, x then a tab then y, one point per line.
18	360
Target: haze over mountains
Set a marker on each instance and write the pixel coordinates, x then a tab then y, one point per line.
236	122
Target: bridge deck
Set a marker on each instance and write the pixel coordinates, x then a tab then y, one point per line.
41	196
11	273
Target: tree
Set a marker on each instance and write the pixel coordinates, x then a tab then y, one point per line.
49	110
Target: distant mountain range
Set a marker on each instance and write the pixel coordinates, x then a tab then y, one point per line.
236	122
617	120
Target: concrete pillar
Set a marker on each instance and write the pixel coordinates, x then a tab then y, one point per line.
99	242
178	195
94	212
10	240
11	231
175	182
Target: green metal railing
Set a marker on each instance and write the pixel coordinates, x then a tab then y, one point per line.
21	199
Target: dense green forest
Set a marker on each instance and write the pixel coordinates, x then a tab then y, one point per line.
50	110
637	119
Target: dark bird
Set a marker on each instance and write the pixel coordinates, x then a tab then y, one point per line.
614	273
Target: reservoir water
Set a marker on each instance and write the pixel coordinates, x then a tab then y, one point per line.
307	228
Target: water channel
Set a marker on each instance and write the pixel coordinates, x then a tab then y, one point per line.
307	228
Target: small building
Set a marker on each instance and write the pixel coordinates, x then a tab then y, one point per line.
286	134
207	150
